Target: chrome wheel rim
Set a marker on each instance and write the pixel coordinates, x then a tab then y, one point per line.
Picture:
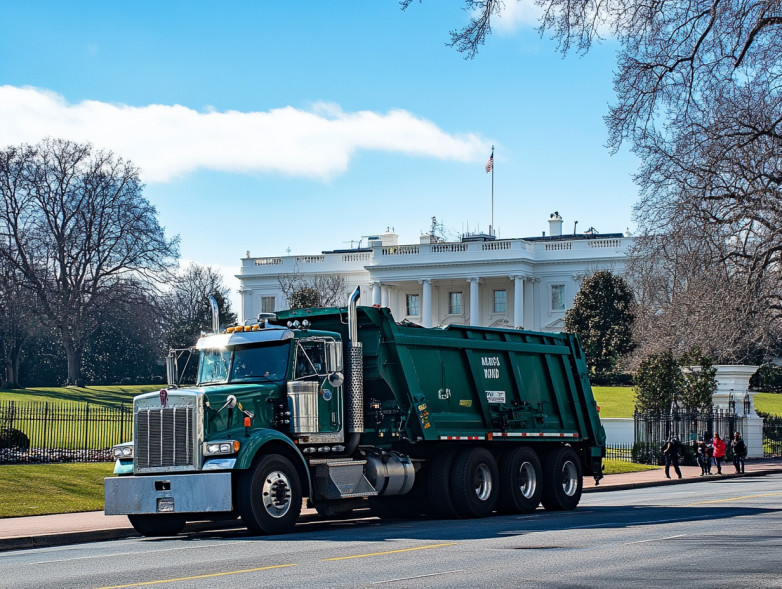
569	478
528	482
276	494
483	482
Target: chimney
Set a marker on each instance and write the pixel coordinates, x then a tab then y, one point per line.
555	224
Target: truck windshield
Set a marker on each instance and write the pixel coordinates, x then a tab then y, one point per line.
245	363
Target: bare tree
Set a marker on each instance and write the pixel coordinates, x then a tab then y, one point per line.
18	321
186	308
469	38
74	224
698	97
316	290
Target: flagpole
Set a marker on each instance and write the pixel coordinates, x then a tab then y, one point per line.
491	231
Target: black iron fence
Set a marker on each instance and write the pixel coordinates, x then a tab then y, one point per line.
772	436
35	432
652	431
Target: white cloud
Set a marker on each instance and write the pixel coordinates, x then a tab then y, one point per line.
516	15
167	141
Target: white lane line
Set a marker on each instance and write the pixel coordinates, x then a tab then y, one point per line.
417	577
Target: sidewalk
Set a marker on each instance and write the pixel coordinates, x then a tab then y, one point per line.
71	528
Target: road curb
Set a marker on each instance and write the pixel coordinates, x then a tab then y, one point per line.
682	481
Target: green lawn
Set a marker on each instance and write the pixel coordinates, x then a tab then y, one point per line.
100	395
620	466
615	401
39	489
619	401
768	403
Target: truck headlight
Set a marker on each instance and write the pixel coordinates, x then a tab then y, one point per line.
123	450
222	447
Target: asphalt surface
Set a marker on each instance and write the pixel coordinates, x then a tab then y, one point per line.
18	533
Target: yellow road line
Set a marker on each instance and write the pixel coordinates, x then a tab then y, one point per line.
276	566
736	498
392	551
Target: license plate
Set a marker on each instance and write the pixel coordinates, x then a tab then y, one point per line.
165	504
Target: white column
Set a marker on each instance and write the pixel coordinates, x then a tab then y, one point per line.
375	293
475	313
247	304
426	302
518	301
383	295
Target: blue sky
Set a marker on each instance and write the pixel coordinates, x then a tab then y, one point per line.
268	126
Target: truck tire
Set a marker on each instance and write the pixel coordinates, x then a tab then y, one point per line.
269	495
520	478
152	525
475	482
438	485
563	479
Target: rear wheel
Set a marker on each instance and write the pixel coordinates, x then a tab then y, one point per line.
438	485
269	496
165	524
520	474
563	479
475	482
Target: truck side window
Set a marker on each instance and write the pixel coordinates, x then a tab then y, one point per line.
309	359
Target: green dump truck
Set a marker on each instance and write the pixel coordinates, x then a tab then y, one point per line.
346	408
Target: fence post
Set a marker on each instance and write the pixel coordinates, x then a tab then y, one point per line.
86	425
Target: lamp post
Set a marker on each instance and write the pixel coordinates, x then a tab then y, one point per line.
747	403
731	403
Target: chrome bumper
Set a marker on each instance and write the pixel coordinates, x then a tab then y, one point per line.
168	493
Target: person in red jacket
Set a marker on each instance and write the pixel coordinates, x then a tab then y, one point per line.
719	451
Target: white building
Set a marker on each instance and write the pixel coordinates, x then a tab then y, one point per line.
521	282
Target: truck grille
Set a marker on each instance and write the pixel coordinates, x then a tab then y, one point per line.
165	438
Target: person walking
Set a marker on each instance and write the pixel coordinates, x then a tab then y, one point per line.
702	454
739	452
719	451
671	454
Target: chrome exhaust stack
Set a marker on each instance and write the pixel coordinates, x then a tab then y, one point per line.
355	374
215	314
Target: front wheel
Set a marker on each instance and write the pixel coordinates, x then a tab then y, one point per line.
563	479
152	525
269	496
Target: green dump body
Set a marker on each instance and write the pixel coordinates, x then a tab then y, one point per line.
461	383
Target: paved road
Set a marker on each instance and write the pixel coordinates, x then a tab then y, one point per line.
712	534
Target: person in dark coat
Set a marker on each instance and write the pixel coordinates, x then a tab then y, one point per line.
739	452
702	455
671	453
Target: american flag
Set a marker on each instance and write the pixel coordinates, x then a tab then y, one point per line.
490	163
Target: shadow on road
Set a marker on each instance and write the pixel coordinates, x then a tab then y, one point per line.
371	529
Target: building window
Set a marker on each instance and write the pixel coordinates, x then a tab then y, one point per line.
499	301
267	304
412	304
454	303
557	297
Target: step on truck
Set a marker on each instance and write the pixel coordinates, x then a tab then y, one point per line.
346	408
